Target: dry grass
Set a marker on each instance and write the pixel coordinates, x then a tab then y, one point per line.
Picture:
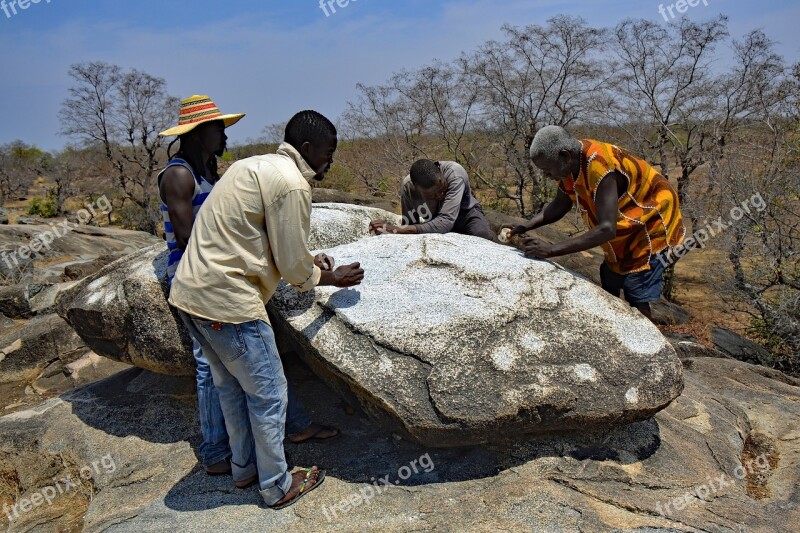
757	479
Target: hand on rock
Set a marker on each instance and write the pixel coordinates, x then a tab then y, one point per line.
380	227
348	275
537	248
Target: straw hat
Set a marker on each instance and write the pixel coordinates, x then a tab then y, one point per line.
196	110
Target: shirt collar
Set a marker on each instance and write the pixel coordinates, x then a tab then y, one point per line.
286	149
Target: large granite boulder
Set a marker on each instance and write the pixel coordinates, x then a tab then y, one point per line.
121	311
458	340
451	338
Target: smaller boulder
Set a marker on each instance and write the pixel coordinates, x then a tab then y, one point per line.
15	301
44	301
669	314
81	270
34	345
33	221
738	347
3	216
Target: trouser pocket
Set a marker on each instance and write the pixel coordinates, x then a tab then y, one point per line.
227	340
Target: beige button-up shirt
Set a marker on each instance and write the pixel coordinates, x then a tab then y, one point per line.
251	231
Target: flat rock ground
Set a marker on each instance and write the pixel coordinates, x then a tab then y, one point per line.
620	480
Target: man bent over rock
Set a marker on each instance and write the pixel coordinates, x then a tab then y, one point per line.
631	210
436	198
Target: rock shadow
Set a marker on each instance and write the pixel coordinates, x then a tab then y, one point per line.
341	299
135	402
366	453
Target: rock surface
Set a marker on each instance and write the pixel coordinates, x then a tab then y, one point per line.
67	245
336	224
461	341
28	347
699	451
738	347
122	313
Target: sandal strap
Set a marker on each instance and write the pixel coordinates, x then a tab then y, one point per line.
304	486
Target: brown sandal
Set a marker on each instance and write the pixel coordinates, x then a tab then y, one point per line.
304	489
315	436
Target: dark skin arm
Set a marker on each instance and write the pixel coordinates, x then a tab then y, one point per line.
606	200
177	188
379	227
552	212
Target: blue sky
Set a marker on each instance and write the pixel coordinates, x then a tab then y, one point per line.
270	58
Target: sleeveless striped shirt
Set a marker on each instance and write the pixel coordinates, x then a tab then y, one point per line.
201	190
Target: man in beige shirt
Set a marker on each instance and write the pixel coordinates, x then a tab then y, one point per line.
251	232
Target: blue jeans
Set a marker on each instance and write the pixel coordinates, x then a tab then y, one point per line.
253	393
639	287
215	447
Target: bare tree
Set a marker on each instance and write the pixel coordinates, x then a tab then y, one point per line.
741	95
20	164
484	110
538	75
64	169
662	93
425	113
382	113
763	241
122	112
274	133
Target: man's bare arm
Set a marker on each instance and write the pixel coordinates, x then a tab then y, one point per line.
177	190
552	212
606	202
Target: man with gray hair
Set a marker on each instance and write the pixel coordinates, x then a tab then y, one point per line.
634	214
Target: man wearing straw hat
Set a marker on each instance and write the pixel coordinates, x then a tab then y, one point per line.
184	185
251	233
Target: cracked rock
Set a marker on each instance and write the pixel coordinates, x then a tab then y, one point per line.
456	340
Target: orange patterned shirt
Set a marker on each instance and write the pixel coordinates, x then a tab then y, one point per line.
649	219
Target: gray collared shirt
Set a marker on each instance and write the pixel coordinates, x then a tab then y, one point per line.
441	216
